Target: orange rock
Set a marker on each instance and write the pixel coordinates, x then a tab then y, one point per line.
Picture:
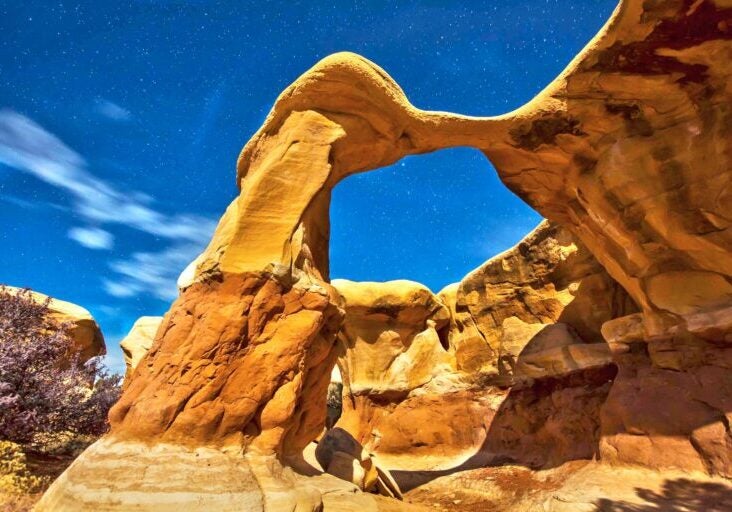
420	376
669	406
628	149
220	334
535	300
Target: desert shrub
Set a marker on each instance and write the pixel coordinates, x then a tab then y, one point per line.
44	390
334	402
15	478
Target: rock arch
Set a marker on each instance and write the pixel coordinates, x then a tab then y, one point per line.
629	148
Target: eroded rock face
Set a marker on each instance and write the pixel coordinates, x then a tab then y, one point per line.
139	340
669	407
629	149
393	345
392	336
539	307
179	479
222	334
247	348
507	365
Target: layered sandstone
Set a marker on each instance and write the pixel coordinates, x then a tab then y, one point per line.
628	149
538	307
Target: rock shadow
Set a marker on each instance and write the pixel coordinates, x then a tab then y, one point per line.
541	424
678	495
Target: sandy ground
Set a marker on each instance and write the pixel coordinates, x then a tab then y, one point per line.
580	486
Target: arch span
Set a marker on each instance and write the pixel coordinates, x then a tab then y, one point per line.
629	148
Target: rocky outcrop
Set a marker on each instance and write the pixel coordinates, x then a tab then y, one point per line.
84	331
509	364
392	337
538	308
669	407
221	334
628	149
139	340
246	349
397	373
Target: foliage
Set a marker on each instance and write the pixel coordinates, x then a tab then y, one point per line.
44	390
15	478
335	396
334	403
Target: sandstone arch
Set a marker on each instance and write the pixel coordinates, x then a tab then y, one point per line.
594	151
629	148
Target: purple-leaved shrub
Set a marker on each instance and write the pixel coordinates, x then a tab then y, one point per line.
44	390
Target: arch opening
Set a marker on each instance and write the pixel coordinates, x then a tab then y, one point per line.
430	218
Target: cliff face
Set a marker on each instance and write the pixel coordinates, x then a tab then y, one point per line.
628	151
548	287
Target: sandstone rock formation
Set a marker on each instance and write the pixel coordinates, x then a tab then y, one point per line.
139	340
539	307
340	455
87	338
670	406
392	337
427	378
628	149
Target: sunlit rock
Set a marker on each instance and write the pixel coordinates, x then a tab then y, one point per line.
139	341
628	150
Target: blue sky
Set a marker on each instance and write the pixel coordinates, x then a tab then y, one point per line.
120	124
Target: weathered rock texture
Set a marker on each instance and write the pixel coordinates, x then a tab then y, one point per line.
538	308
671	406
139	340
629	149
86	336
246	348
508	364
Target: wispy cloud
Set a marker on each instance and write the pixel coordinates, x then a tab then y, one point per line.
152	272
28	147
113	111
30	205
92	238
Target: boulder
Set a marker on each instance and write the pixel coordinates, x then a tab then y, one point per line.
340	455
85	333
139	340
